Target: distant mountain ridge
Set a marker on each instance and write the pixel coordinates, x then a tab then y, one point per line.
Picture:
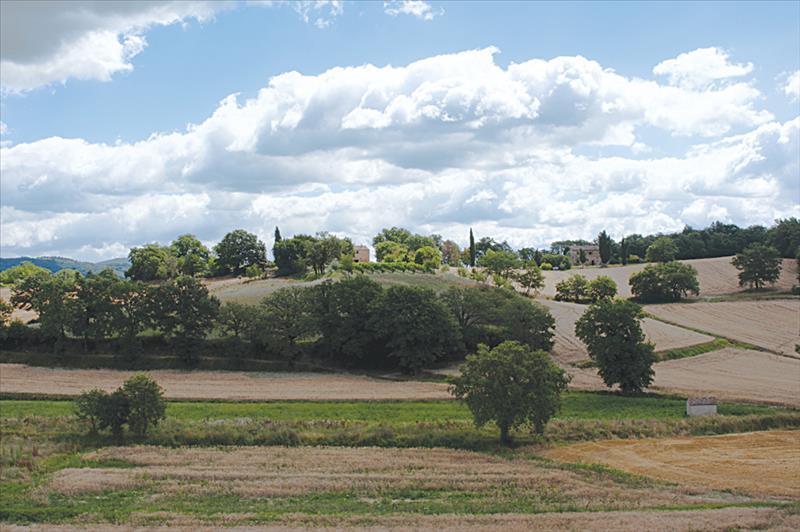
55	264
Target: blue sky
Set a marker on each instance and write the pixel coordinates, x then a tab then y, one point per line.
610	127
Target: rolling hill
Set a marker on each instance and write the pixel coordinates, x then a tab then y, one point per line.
55	264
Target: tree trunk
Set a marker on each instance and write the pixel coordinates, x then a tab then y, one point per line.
505	438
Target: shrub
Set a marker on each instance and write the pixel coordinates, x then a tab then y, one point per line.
146	406
510	385
546	266
89	407
612	333
462	271
114	411
603	287
530	278
254	271
572	288
669	281
634	259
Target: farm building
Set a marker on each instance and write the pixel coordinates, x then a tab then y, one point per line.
591	254
701	406
361	254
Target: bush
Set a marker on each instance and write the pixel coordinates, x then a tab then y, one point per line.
634	259
573	288
612	333
510	385
462	271
546	266
603	287
89	407
146	406
669	281
114	411
254	271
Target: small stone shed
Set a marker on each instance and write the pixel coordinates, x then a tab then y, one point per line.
361	254
701	406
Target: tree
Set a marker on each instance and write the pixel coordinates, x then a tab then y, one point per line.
5	312
785	237
527	322
501	263
428	256
624	253
21	271
510	385
342	312
291	255
414	325
236	319
530	278
451	253
114	412
613	335
184	309
573	288
278	236
151	262
662	250
93	308
758	265
191	254
239	249
146	405
89	407
669	281
604	243
133	310
324	249
287	318
389	251
471	249
602	287
48	296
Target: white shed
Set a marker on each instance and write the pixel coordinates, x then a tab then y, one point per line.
701	406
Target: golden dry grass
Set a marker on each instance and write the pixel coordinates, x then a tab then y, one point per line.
231	385
757	463
717	276
773	324
627	521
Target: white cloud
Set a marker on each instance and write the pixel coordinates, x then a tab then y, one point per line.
417	8
792	86
441	144
320	13
701	67
47	42
3	128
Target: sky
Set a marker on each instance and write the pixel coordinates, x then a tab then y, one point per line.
124	123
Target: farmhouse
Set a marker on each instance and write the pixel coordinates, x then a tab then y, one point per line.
361	254
591	254
701	406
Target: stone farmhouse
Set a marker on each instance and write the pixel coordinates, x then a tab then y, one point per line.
361	254
591	253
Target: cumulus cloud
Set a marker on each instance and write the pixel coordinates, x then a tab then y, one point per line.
416	8
792	86
442	144
46	42
320	13
701	67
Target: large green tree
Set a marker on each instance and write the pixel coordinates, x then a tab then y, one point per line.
612	332
670	281
785	236
237	250
502	263
758	265
151	262
512	386
288	318
573	288
191	254
663	249
604	243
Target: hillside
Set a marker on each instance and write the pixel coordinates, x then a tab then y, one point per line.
55	264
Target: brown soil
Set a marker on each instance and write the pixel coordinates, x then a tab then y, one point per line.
23	315
232	385
717	276
757	463
773	324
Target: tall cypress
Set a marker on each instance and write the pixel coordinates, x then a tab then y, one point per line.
278	237
471	249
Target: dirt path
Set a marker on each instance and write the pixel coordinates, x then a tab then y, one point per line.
773	324
568	348
757	463
232	385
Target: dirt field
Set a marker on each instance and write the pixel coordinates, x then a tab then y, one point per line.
23	315
717	276
245	291
757	463
773	324
568	348
233	385
725	519
730	374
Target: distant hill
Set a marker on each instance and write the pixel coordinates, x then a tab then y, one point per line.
55	264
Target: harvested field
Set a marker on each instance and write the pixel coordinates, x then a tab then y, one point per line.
734	374
416	480
730	374
243	290
757	463
773	324
568	348
632	521
717	276
231	385
18	314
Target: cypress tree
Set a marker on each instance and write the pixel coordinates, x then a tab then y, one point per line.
278	237
471	249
